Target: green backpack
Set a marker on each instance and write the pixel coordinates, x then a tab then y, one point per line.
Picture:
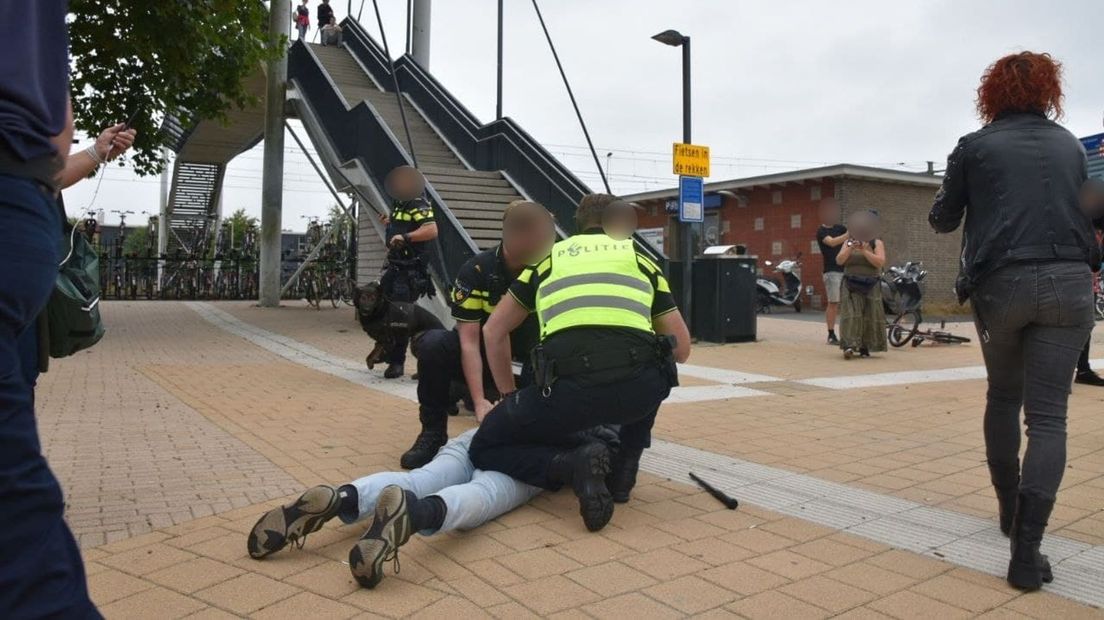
72	315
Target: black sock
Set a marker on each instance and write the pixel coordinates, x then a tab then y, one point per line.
427	513
350	502
831	333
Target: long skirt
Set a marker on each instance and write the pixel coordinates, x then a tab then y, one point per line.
862	320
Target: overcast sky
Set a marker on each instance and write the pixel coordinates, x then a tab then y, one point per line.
777	84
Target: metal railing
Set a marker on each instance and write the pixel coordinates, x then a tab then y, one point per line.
498	145
361	133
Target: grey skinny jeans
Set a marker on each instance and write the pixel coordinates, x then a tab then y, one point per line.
1038	317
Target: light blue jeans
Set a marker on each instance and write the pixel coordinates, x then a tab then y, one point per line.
472	496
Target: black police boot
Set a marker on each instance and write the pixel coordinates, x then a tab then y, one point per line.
622	476
1006	483
585	468
1029	569
394	371
434	435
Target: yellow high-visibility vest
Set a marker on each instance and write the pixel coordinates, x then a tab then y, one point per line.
594	280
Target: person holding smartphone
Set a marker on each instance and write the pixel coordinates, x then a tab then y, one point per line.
862	317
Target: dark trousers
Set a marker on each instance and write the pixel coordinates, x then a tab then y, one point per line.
41	573
517	437
1083	361
398	285
1038	316
440	365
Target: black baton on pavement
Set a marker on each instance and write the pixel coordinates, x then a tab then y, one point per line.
729	502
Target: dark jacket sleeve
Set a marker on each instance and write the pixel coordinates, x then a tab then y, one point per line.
950	202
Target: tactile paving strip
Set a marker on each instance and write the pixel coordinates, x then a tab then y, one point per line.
961	539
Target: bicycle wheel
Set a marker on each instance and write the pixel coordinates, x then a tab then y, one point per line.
334	293
348	294
948	338
311	293
1098	306
903	328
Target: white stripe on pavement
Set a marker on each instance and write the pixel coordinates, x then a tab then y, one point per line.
317	359
953	537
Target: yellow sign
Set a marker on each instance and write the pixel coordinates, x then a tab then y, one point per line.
691	160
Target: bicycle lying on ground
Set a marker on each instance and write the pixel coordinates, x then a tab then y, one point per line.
901	298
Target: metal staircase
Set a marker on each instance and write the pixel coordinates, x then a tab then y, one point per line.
476	198
193	204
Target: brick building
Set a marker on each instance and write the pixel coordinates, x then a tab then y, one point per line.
775	216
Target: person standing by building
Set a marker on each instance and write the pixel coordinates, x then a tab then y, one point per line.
862	317
1027	253
410	226
831	234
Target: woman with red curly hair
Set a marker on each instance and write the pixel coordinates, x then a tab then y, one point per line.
1026	253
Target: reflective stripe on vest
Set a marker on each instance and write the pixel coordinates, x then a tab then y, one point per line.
594	280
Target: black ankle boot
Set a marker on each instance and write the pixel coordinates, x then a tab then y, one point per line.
434	435
1028	569
585	468
622	477
1006	482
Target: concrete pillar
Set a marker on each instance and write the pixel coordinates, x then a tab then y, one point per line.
272	176
163	216
419	47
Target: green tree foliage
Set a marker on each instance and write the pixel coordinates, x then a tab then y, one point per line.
241	222
135	243
158	57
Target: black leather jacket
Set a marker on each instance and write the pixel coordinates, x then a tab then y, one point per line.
1017	181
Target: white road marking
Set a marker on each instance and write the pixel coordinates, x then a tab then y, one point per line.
961	539
306	355
896	378
355	372
907	377
721	375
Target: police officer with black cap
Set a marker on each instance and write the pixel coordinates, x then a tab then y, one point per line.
448	356
410	227
610	337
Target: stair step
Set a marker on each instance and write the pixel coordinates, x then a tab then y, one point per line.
454	179
505	192
465	215
474	174
452	196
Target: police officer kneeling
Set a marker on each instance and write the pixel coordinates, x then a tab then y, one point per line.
446	356
610	337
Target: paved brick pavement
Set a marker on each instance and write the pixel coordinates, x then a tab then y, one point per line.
250	427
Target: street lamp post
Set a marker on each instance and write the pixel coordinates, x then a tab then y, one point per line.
675	38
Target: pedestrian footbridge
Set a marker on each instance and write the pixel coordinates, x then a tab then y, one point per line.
346	99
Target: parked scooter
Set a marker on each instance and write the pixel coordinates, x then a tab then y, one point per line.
770	293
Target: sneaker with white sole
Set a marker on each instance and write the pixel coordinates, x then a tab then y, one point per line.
292	522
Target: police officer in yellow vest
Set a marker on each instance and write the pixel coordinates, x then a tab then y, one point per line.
610	336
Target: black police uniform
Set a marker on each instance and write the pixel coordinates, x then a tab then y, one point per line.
480	284
517	437
405	277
